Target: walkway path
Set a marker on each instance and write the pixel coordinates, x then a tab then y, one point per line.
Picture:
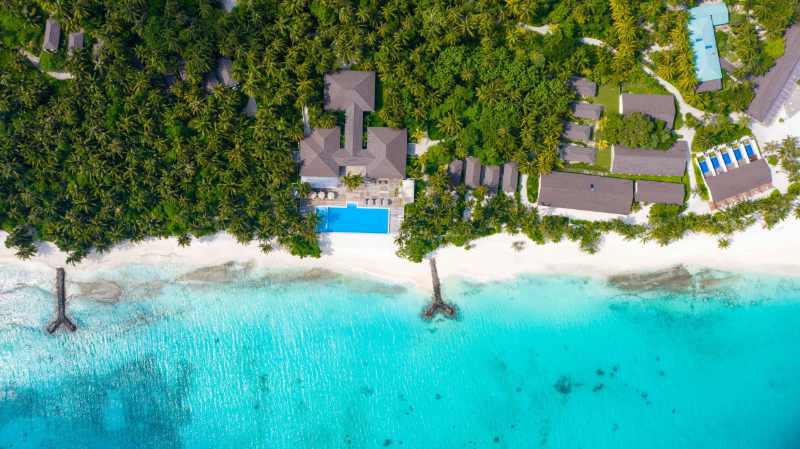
61	76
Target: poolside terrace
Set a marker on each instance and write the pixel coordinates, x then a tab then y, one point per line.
392	194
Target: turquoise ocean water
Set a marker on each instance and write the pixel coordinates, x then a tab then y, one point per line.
292	360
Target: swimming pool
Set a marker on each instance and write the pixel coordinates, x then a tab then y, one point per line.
749	150
365	220
727	159
703	167
714	162
738	153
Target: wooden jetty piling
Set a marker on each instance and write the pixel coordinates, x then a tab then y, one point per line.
437	305
61	306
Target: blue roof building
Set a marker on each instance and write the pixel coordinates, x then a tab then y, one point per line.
702	21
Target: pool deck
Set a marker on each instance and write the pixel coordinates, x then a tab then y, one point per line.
390	190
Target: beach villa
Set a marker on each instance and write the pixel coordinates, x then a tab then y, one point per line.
702	20
734	172
641	161
326	157
780	84
659	107
586	192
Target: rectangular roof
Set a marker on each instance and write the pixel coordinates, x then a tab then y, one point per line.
587	111
577	153
491	176
739	181
510	177
584	86
225	72
52	35
472	176
75	41
576	132
659	192
661	107
454	171
774	87
702	21
586	192
639	161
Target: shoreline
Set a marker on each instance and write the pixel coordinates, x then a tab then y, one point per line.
755	250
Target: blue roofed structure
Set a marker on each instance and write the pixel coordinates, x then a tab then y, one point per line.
702	21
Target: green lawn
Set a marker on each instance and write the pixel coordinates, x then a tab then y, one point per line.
644	84
603	161
608	96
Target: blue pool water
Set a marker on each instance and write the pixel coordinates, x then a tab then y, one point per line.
715	162
727	159
703	167
287	360
738	153
353	219
749	150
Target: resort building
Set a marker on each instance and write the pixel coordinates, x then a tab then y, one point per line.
322	158
659	192
510	177
52	36
579	154
577	133
776	87
251	107
640	161
225	72
702	20
472	175
75	42
734	172
659	107
587	111
455	169
586	192
584	87
491	177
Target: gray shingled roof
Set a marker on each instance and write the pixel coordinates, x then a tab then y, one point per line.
709	86
491	177
577	153
251	107
455	169
354	93
639	161
52	35
739	181
510	177
659	192
576	132
389	149
586	192
75	41
773	88
584	87
661	107
587	111
225	72
211	81
316	153
472	175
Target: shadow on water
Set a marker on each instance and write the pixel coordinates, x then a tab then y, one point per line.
136	406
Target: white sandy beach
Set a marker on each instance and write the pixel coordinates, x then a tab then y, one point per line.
755	250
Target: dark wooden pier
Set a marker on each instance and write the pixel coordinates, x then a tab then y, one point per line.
437	305
61	306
